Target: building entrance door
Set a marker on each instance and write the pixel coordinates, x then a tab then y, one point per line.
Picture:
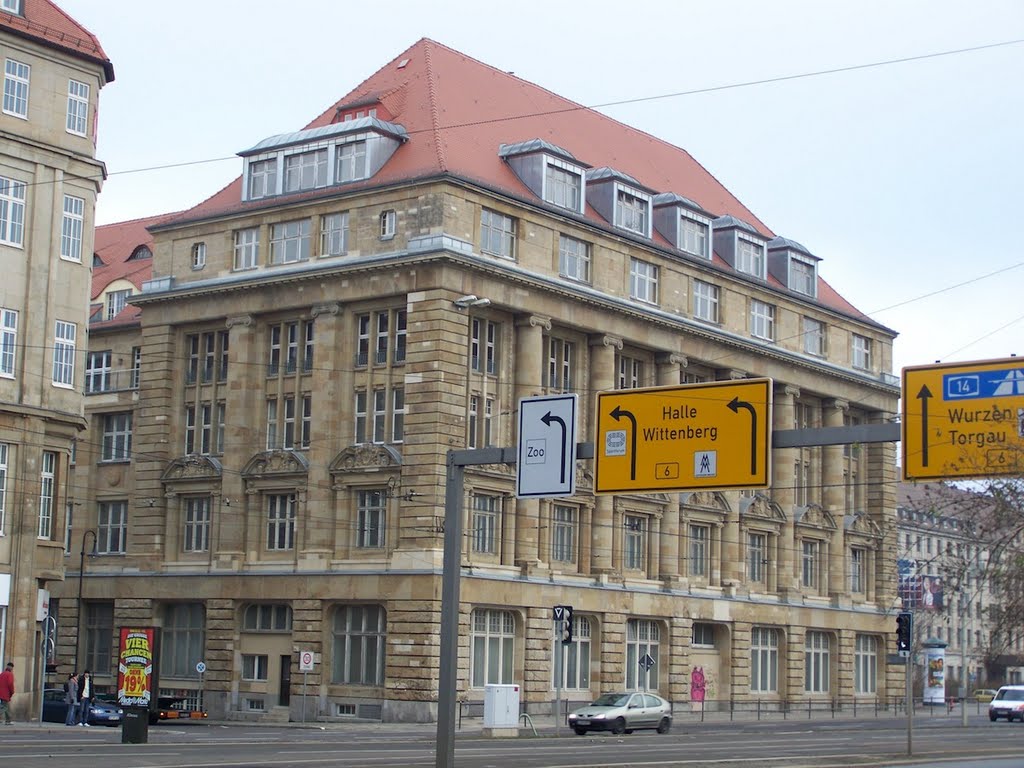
285	688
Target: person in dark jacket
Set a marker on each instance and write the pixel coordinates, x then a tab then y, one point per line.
85	694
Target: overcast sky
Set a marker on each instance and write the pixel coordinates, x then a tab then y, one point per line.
905	179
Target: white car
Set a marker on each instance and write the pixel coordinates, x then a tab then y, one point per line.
623	712
1008	703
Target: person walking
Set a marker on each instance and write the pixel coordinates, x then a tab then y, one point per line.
7	691
71	698
85	694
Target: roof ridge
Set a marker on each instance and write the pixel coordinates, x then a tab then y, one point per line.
434	117
140	218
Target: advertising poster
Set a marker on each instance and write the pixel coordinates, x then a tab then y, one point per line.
135	666
935	676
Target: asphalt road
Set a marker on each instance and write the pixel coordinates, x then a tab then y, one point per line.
833	743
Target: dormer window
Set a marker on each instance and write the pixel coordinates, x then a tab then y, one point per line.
632	212
263	178
116	302
683	223
750	257
801	277
307	170
350	161
563	187
693	235
793	266
11	6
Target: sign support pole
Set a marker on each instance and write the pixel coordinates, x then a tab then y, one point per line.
910	705
559	674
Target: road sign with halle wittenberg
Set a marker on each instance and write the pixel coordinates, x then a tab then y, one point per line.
677	438
963	420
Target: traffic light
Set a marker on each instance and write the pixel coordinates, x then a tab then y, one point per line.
565	632
904	631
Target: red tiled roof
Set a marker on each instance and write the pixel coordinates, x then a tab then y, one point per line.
44	22
458	111
115	243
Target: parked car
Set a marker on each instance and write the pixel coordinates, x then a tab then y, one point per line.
623	712
174	708
984	695
101	712
1008	703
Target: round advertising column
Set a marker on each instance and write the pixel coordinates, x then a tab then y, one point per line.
934	671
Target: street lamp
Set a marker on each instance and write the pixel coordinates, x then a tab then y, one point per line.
81	572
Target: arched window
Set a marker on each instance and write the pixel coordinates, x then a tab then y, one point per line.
492	647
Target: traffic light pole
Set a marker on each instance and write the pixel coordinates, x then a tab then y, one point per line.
559	674
910	706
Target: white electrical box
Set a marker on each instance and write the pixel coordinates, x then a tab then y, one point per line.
501	706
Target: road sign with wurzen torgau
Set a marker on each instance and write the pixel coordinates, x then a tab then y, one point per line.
678	438
963	420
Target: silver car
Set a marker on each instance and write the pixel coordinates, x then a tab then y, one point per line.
623	713
1008	703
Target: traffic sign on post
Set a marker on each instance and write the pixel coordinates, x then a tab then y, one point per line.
306	661
546	463
677	438
963	420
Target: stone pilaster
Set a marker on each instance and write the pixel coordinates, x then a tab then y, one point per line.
783	463
528	379
834	497
602	377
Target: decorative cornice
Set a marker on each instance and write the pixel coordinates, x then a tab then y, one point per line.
365	456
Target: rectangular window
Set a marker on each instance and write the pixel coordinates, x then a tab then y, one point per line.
334	234
631	372
497	234
861	352
762	320
307	170
483	346
12	211
485	524
71	228
360	417
116	302
801	277
263	178
280	522
563	533
643	638
397	414
631	212
117	437
693	237
247	248
703	635
99	633
358	635
857	569
573	259
816	662
643	281
492	647
380	414
112	528
381	356
371	523
811	557
558	373
64	353
764	660
387	224
633	549
757	556
350	162
8	341
814	337
4	450
865	665
254	667
576	656
473	421
750	258
562	187
16	77
11	6
700	536
705	301
290	241
196	536
47	494
198	255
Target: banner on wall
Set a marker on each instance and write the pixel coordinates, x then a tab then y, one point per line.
135	665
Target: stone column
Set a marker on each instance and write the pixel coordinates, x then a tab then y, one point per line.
241	434
834	497
602	377
529	369
320	523
669	367
783	463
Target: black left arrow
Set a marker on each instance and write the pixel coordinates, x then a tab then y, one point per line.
734	406
547	418
618	413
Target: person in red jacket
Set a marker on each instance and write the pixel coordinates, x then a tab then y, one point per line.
7	691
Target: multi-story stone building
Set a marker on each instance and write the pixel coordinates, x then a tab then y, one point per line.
49	180
383	286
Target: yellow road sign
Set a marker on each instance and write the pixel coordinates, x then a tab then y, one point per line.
963	420
679	438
